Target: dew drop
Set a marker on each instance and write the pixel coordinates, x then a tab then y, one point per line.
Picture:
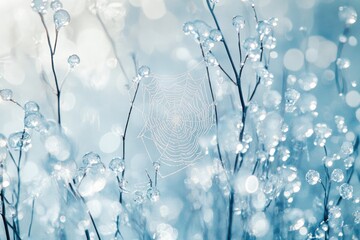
347	14
346	191
19	140
312	177
61	18
39	6
6	94
238	22
117	165
73	60
337	175
143	71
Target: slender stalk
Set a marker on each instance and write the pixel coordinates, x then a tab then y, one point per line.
211	9
3	215
94	225
87	234
215	110
230	216
340	86
32	217
52	54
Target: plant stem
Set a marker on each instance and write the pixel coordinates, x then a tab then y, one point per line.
215	110
32	217
94	225
340	86
3	214
223	40
230	215
52	54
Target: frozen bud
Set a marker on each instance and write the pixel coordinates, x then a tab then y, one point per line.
31	107
90	159
215	35
6	94
61	18
346	191
143	71
153	194
73	60
19	141
312	177
39	6
337	175
238	22
347	14
117	165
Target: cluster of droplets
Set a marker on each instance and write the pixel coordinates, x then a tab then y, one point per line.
266	77
322	132
313	177
340	124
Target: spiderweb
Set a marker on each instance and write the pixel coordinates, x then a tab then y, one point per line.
177	111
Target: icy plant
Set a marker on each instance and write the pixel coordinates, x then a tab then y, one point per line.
259	139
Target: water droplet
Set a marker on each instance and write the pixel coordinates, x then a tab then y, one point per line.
188	28
250	44
208	44
153	194
215	35
210	60
347	148
31	107
139	197
322	132
56	5
156	165
349	162
6	94
334	212
312	177
143	71
61	18
90	159
337	175
346	191
343	63
73	60
308	81
347	14
33	120
263	28
39	6
117	165
19	140
238	22
269	42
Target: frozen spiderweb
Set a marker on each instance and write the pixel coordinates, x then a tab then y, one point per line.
177	111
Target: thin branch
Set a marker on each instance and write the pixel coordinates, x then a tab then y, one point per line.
215	109
52	53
